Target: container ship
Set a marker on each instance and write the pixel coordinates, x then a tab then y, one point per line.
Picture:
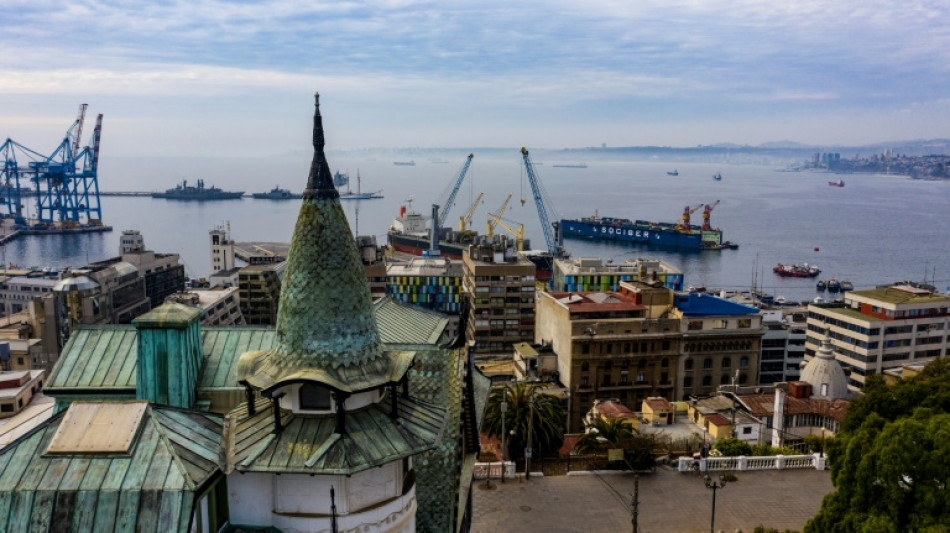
681	236
409	233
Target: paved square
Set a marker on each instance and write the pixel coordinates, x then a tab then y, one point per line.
670	502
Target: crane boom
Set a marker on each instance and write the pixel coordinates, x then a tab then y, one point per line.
75	132
491	223
546	227
519	235
447	204
466	219
706	212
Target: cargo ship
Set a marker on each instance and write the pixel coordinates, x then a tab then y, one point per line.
198	192
661	234
409	233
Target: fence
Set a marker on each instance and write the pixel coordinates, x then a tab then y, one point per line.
742	463
549	466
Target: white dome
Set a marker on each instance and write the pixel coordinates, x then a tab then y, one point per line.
825	374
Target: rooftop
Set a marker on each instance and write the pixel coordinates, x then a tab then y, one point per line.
699	305
901	294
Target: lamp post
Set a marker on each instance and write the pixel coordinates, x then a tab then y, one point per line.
705	450
715	485
527	450
504	414
635	497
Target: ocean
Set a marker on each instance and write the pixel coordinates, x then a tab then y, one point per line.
877	229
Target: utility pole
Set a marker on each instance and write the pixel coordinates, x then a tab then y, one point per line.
527	450
504	414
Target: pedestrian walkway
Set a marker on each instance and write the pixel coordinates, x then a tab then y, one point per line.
670	502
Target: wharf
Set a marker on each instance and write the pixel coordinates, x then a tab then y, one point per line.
261	253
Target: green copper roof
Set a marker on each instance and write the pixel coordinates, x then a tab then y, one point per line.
152	488
96	357
325	317
308	444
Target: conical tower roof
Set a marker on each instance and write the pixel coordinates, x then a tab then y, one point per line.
326	329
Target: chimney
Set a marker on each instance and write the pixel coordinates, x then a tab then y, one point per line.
169	355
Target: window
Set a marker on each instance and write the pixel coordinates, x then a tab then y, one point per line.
689	364
665	363
583	381
746	431
6	407
720	323
707	363
724	379
585	366
585	348
726	362
315	397
745	322
743	379
743	362
707	381
687	382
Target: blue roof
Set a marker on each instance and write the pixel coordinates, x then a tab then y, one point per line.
693	304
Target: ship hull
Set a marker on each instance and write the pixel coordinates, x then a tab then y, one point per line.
199	197
640	232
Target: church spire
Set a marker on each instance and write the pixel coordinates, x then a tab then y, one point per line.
326	329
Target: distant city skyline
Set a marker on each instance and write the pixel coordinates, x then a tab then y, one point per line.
209	78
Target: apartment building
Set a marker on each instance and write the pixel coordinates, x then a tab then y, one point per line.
879	329
220	304
592	274
783	346
433	283
259	292
502	289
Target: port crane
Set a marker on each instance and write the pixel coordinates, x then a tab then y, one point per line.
519	234
551	233
65	183
706	212
687	212
466	219
491	223
448	199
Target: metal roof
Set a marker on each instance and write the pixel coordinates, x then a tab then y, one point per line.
96	357
152	488
405	324
308	444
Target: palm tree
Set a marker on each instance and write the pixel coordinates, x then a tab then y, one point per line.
606	433
548	426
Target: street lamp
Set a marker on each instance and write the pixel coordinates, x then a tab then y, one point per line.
504	414
714	485
635	498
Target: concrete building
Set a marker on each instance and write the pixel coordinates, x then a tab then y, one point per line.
260	292
592	274
219	304
433	283
17	388
783	346
534	362
502	289
222	248
721	342
18	287
878	329
621	345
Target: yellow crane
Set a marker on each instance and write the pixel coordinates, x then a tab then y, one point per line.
519	235
466	219
491	223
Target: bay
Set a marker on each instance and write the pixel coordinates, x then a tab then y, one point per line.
877	229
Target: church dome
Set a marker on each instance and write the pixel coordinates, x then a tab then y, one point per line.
825	374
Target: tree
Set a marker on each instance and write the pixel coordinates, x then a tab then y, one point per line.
639	450
548	427
733	447
889	464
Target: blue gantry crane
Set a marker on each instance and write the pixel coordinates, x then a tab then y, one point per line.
541	200
447	203
65	184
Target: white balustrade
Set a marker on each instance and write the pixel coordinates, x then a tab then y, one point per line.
743	463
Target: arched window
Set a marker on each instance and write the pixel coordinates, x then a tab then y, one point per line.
585	366
707	363
665	363
743	378
689	363
724	379
707	381
687	382
743	362
726	362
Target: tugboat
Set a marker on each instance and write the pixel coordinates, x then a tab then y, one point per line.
717	176
821	285
834	286
277	194
199	192
674	173
846	286
800	270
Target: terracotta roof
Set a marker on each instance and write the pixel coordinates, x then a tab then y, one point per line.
718	420
764	405
659	404
612	409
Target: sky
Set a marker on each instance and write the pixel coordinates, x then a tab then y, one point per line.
215	78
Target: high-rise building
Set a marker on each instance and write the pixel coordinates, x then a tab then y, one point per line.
878	329
502	289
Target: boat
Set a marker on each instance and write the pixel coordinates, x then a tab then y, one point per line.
674	173
834	286
409	233
660	234
277	194
358	195
404	163
570	165
717	176
821	285
781	300
340	179
799	270
198	192
839	183
846	286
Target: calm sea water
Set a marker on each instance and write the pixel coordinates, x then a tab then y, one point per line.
877	229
